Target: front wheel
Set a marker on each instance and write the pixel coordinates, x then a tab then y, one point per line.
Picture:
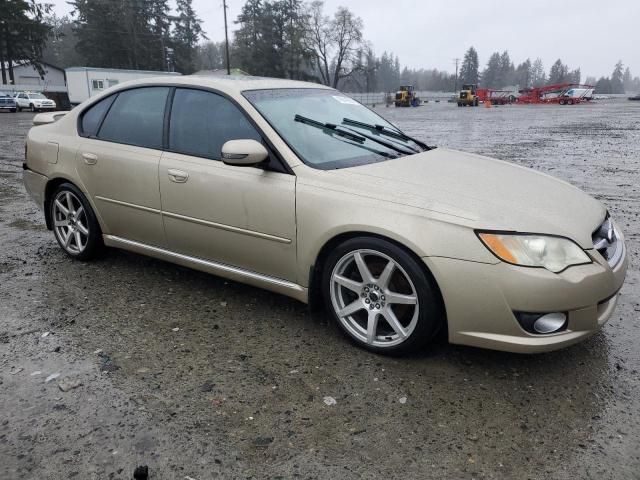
74	224
381	297
32	107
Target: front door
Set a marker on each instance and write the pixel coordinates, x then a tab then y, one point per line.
239	216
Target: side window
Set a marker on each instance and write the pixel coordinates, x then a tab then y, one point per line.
201	122
136	117
92	117
97	84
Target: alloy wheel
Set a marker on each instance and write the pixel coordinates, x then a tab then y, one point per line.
70	222
374	298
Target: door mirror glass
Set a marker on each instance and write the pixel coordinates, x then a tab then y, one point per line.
243	153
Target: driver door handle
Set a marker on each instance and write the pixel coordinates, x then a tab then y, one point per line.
177	176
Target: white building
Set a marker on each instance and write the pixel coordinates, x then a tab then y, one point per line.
27	77
84	82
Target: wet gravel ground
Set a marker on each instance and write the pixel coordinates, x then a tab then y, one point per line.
200	378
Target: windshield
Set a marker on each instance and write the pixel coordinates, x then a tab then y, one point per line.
327	148
38	96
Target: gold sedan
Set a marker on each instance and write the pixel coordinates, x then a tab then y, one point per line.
297	188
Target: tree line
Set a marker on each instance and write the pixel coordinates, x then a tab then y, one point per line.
129	34
275	38
501	72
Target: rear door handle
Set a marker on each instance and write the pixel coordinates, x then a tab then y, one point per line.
177	176
90	158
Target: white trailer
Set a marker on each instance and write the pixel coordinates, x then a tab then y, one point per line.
84	82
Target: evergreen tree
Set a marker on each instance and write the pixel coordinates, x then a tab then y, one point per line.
524	74
617	78
559	73
627	80
507	71
603	86
491	74
187	31
23	34
119	33
469	72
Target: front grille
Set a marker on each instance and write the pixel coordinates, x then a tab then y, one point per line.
607	242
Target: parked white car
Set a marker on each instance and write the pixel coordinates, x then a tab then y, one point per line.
34	101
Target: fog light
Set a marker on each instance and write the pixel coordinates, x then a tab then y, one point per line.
542	323
549	323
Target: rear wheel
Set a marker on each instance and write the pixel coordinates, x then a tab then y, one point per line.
74	224
381	297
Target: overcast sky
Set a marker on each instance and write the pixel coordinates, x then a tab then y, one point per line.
589	34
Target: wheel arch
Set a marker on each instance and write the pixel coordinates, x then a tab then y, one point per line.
316	270
51	187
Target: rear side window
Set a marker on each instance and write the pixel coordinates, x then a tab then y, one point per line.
93	116
136	117
201	122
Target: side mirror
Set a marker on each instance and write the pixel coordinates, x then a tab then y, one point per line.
243	153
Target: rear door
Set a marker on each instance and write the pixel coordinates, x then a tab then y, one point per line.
118	162
239	216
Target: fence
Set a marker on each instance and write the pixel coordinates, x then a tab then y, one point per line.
380	98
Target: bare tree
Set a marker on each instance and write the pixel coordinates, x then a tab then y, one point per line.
319	39
334	42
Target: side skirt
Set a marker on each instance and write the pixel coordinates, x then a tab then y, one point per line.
237	274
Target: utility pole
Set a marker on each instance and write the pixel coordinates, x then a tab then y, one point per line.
455	86
226	35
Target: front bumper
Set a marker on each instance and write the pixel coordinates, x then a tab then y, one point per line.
480	301
35	184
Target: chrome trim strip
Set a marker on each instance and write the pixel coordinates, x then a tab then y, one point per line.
228	228
115	241
126	204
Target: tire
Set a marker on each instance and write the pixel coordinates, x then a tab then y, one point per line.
570	102
32	108
13	110
393	308
78	234
475	102
561	102
19	109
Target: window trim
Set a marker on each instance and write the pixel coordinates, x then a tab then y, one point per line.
274	154
104	115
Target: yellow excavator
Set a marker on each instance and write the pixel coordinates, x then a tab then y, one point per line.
406	97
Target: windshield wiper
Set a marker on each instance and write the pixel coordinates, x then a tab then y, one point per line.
407	150
382	130
331	129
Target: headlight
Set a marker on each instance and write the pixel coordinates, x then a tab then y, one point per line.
553	253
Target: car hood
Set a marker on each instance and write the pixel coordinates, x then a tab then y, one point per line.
478	191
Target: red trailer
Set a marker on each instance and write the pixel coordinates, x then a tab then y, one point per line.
496	97
561	93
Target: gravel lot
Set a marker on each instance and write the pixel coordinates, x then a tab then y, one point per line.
202	378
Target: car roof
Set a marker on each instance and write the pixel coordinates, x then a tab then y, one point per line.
233	84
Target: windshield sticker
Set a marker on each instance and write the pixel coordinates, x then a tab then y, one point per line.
345	100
